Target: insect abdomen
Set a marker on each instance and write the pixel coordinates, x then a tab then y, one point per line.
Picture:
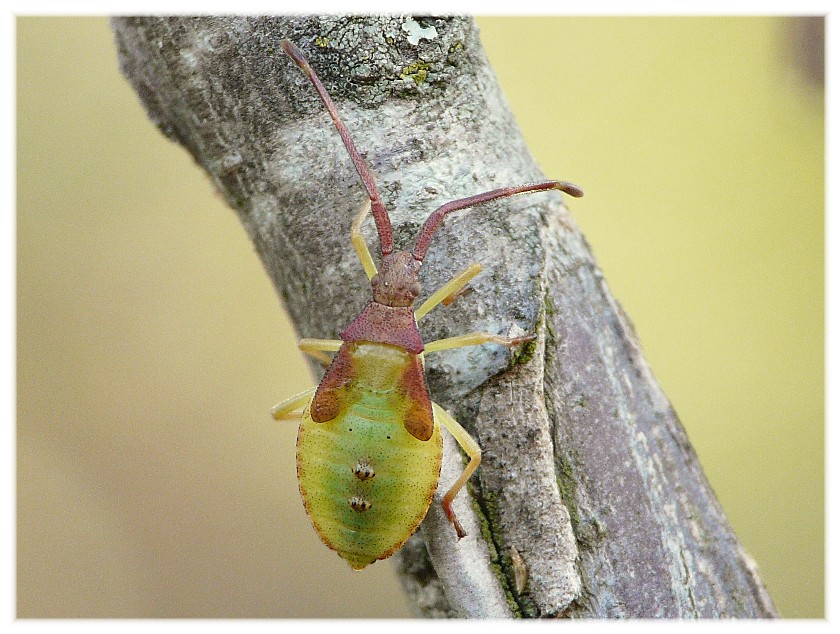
365	481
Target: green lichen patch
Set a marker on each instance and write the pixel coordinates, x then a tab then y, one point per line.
487	510
418	71
454	51
588	531
568	486
549	305
525	352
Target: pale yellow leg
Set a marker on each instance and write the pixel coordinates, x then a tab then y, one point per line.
286	410
315	348
359	241
448	291
475	339
473	451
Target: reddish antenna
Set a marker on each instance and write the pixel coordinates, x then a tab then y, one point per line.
434	220
380	215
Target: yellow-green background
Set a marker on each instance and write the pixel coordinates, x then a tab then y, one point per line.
151	479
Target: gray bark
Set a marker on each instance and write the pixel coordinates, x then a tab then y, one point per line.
588	487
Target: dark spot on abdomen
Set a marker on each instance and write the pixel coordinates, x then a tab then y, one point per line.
363	471
359	504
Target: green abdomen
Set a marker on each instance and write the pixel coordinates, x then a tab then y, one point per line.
366	482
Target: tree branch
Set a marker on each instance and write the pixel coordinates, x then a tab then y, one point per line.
588	484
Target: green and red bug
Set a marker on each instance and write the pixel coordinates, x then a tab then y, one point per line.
369	444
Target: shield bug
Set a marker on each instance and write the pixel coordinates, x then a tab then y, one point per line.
369	444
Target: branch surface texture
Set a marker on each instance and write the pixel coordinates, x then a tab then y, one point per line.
590	501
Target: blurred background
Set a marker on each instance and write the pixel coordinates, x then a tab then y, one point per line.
152	481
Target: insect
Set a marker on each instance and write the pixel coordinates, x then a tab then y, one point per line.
369	443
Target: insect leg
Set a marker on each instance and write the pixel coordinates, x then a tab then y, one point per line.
285	410
475	339
446	293
359	241
315	348
470	446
